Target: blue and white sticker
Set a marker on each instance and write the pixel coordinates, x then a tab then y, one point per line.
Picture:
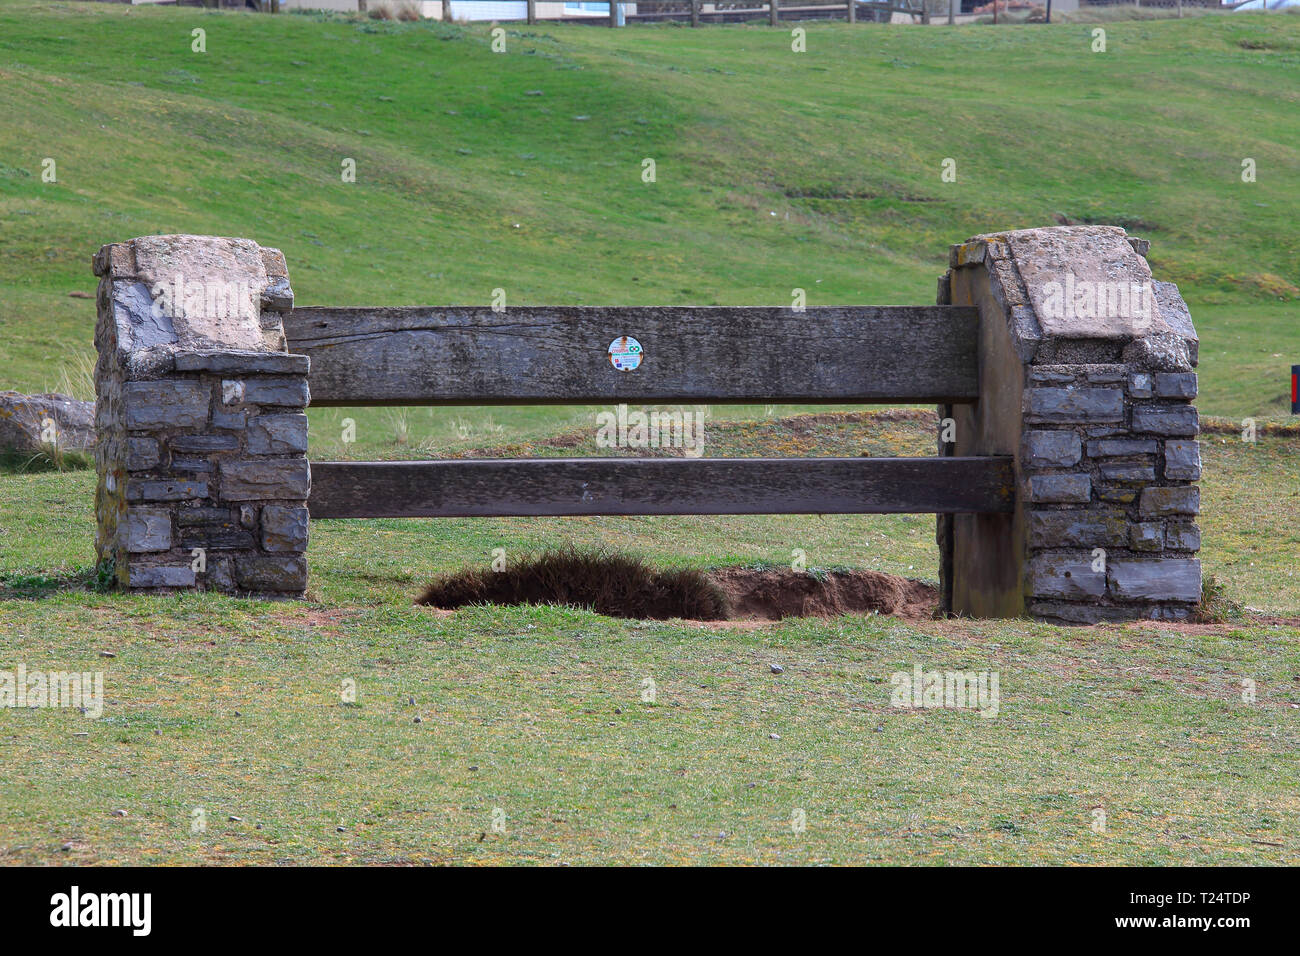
625	353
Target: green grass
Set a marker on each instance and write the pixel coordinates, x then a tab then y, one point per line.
775	171
538	713
236	707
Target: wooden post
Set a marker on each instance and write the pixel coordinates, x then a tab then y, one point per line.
695	13
774	12
532	11
952	11
853	11
361	6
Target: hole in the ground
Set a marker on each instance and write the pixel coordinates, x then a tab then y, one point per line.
624	586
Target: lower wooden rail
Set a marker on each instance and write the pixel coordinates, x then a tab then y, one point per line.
660	486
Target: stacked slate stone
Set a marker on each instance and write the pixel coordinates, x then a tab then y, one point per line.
1099	418
202	438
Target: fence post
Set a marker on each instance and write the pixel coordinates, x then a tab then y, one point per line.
852	7
613	13
773	12
1086	378
202	439
695	13
532	11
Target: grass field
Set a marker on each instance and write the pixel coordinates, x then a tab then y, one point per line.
522	170
235	707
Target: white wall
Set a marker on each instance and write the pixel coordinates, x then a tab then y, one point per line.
461	9
345	6
489	10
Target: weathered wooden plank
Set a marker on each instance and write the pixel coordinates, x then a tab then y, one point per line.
660	486
542	355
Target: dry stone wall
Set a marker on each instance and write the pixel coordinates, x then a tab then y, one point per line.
1104	435
202	435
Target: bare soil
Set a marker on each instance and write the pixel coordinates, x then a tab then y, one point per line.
771	595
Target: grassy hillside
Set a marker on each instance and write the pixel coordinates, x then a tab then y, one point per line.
522	169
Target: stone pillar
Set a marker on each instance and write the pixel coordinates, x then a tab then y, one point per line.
1086	378
201	436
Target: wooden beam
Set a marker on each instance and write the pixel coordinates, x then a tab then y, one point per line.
538	355
660	486
774	12
695	13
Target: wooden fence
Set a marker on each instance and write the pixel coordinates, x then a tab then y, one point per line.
532	355
1064	479
694	10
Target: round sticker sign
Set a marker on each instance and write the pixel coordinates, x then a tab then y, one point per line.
625	353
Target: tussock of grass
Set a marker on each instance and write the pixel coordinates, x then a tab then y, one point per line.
406	12
47	459
618	585
1119	12
1216	607
1231	426
30	585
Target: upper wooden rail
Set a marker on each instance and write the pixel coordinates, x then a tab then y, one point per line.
463	355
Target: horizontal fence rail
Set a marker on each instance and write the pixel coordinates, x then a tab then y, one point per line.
560	355
660	486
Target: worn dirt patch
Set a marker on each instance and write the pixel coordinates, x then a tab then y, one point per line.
770	595
623	586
